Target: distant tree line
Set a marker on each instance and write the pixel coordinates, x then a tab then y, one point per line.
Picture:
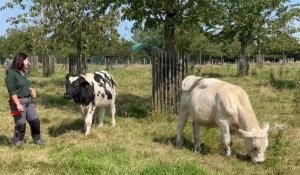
206	29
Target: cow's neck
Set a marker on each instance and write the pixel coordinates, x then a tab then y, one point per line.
248	122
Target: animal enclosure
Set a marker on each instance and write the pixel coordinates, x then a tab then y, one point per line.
168	70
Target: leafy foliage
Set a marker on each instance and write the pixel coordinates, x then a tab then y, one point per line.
149	36
169	14
249	21
78	23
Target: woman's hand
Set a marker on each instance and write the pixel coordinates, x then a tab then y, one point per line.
33	93
20	108
17	102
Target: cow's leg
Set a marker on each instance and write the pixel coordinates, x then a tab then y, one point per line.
183	115
225	135
101	116
83	111
89	120
113	113
197	141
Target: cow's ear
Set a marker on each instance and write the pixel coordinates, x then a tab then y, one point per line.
266	126
87	95
246	134
83	82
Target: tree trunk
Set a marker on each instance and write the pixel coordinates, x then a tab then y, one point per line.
72	65
34	60
81	63
169	36
243	64
169	28
284	61
49	66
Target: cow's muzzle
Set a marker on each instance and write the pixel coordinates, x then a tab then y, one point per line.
67	96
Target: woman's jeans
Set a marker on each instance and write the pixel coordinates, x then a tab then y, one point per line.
29	114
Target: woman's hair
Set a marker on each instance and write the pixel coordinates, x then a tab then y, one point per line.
17	63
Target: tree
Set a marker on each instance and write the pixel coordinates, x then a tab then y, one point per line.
153	37
231	49
170	14
282	44
73	22
18	40
249	21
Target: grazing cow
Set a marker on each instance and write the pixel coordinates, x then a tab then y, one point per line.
94	92
212	102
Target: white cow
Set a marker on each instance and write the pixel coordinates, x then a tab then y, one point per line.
94	92
212	102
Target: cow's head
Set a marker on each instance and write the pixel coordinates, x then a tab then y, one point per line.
72	86
256	143
79	89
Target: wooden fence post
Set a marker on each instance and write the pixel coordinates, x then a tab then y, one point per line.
168	71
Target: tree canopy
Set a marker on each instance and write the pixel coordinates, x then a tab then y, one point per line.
249	21
74	22
169	14
223	28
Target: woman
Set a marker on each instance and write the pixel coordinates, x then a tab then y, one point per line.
21	100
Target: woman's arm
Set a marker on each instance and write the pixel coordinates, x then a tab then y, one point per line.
11	87
33	92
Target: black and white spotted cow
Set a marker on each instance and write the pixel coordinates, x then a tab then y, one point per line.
94	92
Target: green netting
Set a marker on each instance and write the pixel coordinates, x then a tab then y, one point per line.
138	47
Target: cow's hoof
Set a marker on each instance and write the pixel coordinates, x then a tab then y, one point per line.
198	149
100	125
227	152
178	144
113	124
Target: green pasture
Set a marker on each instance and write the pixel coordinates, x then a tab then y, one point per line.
143	141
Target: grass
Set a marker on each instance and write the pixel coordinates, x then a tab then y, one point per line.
142	141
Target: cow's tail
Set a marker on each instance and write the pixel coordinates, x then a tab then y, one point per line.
190	82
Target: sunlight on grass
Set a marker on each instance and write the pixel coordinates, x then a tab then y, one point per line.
143	141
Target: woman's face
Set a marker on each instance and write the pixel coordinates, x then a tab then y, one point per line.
26	64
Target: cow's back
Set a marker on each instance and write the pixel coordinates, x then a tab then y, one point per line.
213	100
200	101
104	87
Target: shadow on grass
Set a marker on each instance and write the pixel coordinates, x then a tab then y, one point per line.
5	141
58	82
240	156
283	84
76	125
186	144
55	101
129	105
206	149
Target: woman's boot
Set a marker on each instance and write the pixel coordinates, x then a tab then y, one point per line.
36	131
19	135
